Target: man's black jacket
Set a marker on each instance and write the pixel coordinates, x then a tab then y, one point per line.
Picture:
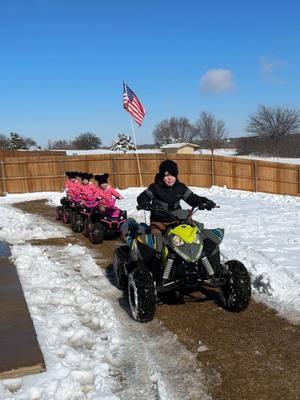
168	197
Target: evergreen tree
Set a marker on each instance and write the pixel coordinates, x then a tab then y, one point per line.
123	143
17	142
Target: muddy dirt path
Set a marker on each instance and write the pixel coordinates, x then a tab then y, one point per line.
253	355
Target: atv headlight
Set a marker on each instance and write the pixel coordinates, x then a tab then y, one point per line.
197	238
177	241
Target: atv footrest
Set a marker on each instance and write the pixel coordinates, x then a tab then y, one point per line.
213	283
167	287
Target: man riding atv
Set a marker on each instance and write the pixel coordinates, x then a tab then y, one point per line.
166	192
175	255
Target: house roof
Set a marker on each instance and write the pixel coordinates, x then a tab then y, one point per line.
178	145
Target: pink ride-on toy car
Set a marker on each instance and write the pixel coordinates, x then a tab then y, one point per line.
104	222
67	209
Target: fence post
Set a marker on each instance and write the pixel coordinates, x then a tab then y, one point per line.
299	181
254	176
62	173
114	171
212	170
3	178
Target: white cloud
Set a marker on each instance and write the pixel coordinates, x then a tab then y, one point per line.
269	67
217	81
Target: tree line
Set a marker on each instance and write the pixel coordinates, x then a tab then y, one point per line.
273	131
83	141
16	142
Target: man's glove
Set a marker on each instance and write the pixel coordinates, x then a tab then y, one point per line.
143	206
207	205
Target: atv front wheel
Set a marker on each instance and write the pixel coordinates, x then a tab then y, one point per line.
120	257
66	216
141	295
236	293
87	227
96	234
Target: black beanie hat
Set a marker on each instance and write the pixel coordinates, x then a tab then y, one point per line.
86	175
168	167
72	174
101	178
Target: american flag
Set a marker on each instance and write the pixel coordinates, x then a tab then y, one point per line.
132	104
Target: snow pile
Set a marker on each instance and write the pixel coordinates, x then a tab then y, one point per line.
15	226
92	348
75	325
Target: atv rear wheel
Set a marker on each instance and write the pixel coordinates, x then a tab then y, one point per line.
235	294
120	257
59	213
141	294
77	223
96	234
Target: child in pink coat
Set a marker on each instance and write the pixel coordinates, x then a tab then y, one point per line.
72	185
107	194
88	190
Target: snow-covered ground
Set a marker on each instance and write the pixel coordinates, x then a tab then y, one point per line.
217	152
107	151
92	348
232	153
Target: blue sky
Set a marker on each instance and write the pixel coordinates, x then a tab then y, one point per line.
63	63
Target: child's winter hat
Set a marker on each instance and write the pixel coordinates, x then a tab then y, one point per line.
72	174
102	178
168	167
86	175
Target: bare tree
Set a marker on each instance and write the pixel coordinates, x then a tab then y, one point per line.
87	141
209	130
4	141
262	146
31	144
61	144
274	123
173	130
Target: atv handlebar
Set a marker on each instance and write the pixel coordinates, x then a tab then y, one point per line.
155	208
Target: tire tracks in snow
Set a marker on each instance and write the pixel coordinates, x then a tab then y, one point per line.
250	355
263	268
147	362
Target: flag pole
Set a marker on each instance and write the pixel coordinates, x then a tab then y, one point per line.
136	153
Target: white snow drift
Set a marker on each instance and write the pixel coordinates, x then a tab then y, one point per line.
92	348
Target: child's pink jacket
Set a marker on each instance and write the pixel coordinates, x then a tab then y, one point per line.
107	196
88	192
72	188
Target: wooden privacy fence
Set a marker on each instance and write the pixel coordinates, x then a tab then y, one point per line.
39	174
